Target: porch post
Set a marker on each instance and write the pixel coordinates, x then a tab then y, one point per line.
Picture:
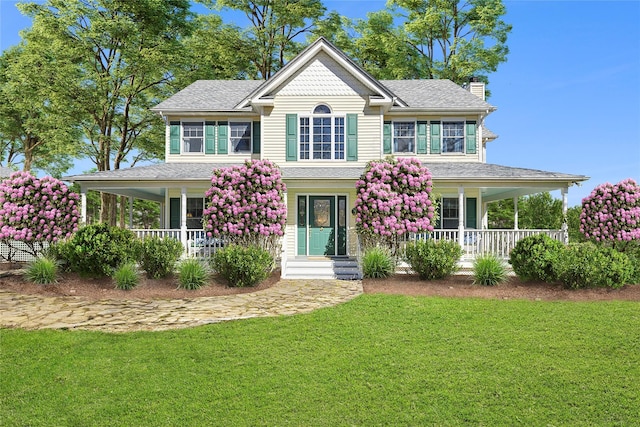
485	215
461	216
183	216
565	204
515	214
83	205
130	212
283	241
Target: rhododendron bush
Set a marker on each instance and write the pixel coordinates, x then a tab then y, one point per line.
393	199
245	205
35	212
611	213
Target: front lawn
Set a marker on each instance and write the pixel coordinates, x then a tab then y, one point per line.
377	360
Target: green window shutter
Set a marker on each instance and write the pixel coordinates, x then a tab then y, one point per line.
435	137
255	134
471	137
174	212
210	137
292	137
352	137
471	213
422	137
174	138
386	138
223	138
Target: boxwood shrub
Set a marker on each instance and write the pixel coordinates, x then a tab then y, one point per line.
243	266
585	265
433	259
158	257
534	257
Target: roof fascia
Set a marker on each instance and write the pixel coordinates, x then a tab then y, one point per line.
320	45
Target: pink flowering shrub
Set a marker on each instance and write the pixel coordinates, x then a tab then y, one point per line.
245	205
393	199
612	212
35	212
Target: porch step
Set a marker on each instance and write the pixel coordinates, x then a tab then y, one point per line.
325	268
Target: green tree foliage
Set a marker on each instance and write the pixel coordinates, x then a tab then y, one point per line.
36	129
119	51
537	211
275	26
455	39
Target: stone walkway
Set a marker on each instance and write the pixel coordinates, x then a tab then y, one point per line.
286	297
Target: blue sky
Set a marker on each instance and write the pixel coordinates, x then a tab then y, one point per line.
568	96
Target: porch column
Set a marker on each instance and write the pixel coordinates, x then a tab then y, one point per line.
183	216
485	215
130	212
515	213
461	216
565	203
83	206
283	241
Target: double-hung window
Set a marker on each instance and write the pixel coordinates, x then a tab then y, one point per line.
404	137
192	137
453	137
195	209
240	136
322	135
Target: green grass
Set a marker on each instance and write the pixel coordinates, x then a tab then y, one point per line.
377	360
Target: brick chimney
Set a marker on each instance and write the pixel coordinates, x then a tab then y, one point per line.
476	87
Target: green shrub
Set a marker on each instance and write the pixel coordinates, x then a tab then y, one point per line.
585	265
243	266
126	276
631	249
433	259
377	263
489	270
42	271
98	249
158	257
533	258
192	274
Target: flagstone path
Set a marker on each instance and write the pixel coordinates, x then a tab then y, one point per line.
286	297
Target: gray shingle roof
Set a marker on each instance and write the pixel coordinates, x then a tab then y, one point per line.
436	95
439	171
209	95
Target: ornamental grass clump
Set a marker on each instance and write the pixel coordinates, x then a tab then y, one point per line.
433	259
42	271
192	274
489	270
35	212
126	276
377	263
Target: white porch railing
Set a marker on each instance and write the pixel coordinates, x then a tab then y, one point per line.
475	242
496	242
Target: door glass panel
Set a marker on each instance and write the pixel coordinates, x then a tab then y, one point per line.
341	212
321	213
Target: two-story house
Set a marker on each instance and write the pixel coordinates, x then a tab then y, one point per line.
321	118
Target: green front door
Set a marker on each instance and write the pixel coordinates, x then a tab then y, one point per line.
322	225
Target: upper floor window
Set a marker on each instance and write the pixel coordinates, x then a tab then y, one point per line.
322	135
193	137
404	137
453	137
240	136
